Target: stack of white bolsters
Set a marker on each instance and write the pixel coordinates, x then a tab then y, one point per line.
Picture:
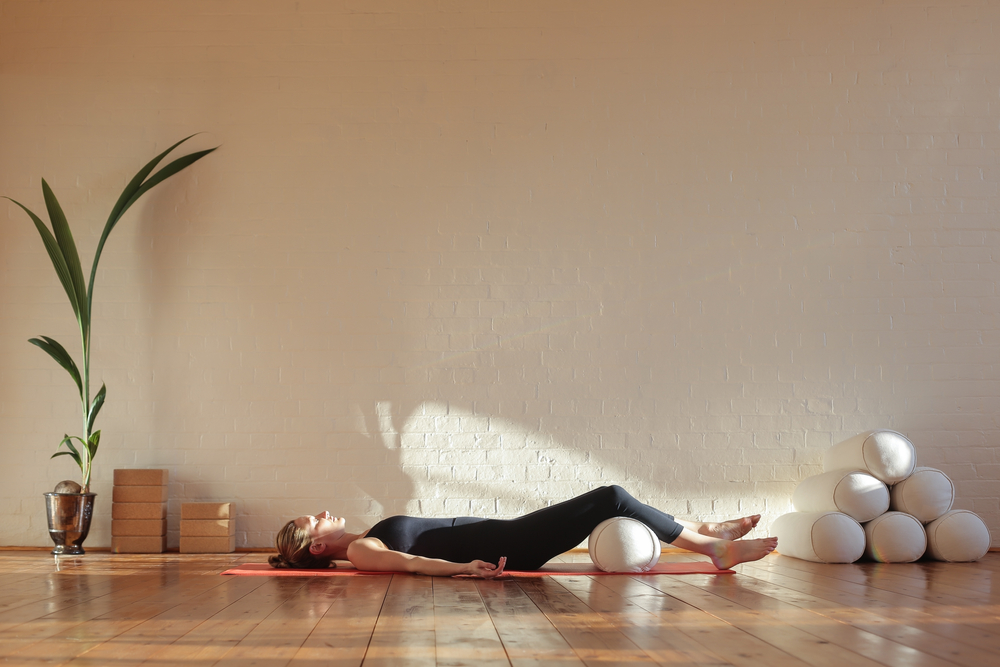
873	501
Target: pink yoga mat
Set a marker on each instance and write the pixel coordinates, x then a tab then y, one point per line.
552	569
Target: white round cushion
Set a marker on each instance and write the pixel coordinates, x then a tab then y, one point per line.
853	492
895	537
822	537
958	536
887	455
926	494
623	545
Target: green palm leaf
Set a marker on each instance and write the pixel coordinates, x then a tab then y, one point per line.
56	255
137	187
64	237
95	407
129	192
95	440
68	441
168	171
59	353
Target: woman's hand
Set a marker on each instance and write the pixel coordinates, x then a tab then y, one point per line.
483	570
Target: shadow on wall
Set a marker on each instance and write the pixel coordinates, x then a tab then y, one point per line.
379	473
441	460
458	463
179	353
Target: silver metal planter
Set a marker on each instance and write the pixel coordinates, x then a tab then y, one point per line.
69	520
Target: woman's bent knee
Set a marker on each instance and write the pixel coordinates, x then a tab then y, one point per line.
617	495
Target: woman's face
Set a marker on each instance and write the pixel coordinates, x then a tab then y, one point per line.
322	525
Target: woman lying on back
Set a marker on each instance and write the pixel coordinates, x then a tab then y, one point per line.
484	547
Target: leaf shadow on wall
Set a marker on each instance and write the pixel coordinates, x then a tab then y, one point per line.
182	373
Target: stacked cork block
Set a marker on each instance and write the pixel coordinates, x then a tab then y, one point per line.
139	511
207	528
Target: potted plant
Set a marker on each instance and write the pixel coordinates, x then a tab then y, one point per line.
70	507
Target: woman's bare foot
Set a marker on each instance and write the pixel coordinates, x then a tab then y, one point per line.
733	529
727	553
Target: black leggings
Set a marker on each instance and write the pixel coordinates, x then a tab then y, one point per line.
530	541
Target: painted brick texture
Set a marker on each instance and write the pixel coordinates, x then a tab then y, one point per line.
475	257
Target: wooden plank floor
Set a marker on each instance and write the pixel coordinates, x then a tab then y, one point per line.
173	609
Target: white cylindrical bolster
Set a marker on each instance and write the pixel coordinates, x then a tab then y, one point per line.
822	537
895	537
958	536
926	494
853	492
887	455
623	545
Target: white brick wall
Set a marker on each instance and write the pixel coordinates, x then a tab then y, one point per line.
471	258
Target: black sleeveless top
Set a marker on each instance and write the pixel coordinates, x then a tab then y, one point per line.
430	538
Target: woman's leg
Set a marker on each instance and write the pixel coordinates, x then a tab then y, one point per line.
725	553
725	530
531	540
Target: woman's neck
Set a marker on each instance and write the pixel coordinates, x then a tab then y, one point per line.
338	549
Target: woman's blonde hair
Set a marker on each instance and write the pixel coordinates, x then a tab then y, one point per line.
293	550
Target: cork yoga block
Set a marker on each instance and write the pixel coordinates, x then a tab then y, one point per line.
139	494
207	527
206	511
149	544
138	527
208	545
138	510
141	477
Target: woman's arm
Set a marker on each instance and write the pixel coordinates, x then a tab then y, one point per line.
369	553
